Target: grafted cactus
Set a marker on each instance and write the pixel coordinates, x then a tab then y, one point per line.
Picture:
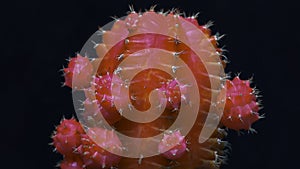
152	69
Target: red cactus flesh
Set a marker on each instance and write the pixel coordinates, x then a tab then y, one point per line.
68	136
100	100
102	148
94	156
74	162
78	72
105	98
174	92
241	109
173	145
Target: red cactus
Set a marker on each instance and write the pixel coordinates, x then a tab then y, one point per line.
174	92
74	162
173	145
241	109
102	148
78	72
67	136
105	98
93	153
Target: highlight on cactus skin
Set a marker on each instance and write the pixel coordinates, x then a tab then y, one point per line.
154	95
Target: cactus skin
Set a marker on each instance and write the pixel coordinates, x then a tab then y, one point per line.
95	156
104	98
173	92
169	148
80	68
241	108
82	152
190	154
67	136
74	162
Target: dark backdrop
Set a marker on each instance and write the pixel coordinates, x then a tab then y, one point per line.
38	36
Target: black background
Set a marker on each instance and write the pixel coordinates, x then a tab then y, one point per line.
37	37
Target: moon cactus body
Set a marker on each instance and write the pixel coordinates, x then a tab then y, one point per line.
133	37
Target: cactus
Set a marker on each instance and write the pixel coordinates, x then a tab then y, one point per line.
73	162
241	109
67	136
94	156
80	68
98	147
173	145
